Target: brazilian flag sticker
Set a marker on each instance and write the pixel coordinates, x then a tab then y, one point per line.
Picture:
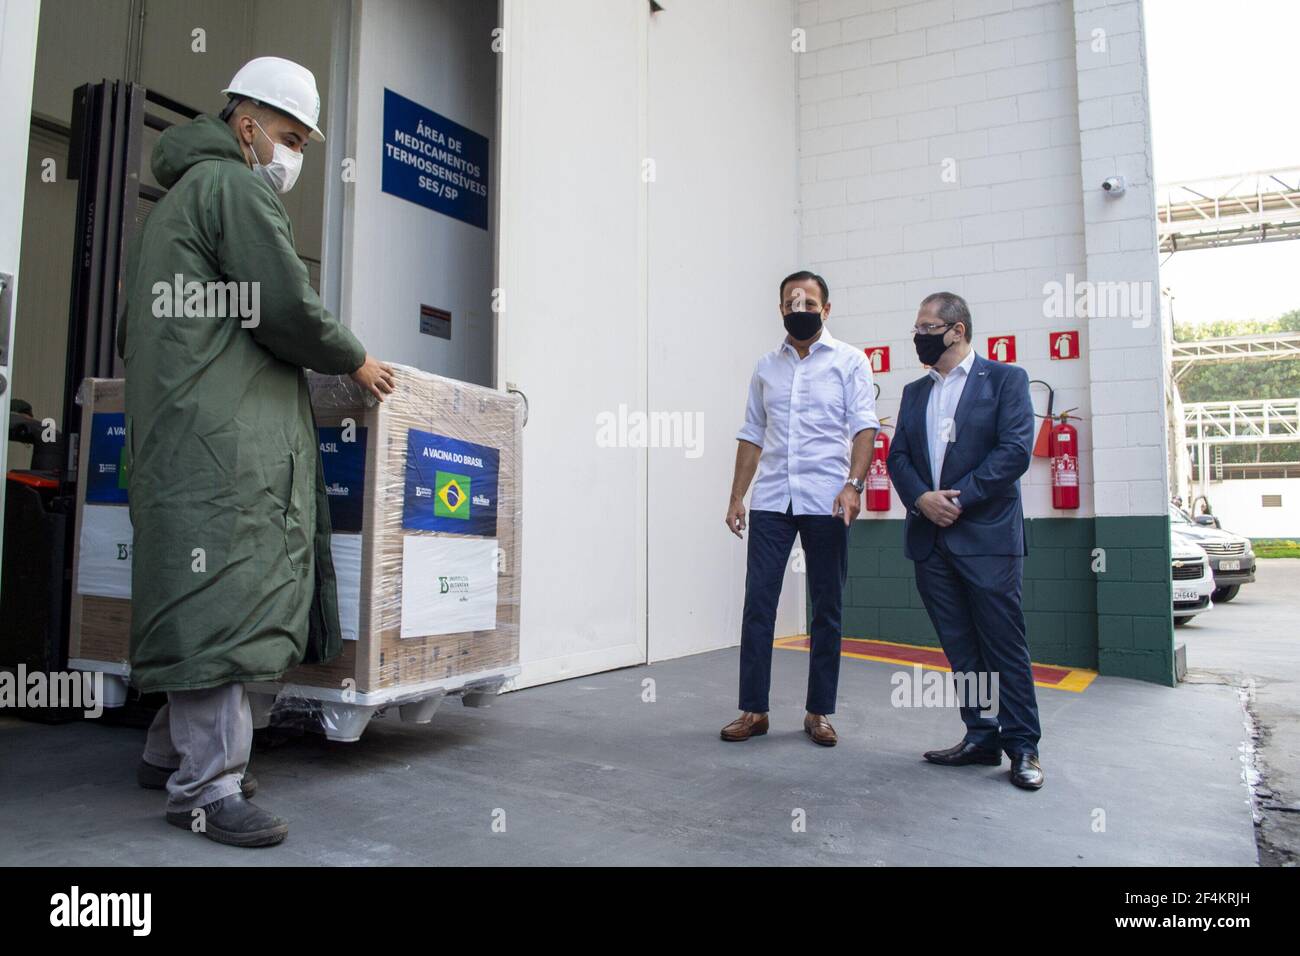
451	495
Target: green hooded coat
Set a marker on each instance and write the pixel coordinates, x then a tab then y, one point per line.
231	572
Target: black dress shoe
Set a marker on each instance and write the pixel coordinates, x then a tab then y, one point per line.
155	778
234	821
1025	771
964	753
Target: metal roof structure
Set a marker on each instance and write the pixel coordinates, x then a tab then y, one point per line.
1232	210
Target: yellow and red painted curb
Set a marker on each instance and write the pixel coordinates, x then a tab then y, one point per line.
1074	679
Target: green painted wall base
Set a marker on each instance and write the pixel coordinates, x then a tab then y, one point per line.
1108	610
1134	599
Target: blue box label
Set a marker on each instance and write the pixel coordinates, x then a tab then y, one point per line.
451	485
106	473
434	162
343	465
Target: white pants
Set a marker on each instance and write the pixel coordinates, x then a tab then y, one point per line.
206	734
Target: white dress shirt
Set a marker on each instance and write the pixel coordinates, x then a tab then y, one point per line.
804	413
941	410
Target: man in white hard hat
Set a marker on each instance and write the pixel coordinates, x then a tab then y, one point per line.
231	569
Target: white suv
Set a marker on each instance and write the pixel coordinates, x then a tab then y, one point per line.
1232	558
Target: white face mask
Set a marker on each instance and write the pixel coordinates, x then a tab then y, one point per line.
282	171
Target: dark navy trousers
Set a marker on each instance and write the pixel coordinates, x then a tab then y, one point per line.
974	603
825	543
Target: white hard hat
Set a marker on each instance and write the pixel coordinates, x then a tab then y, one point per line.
287	86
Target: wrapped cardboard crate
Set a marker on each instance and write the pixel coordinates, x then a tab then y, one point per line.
425	503
100	619
424	494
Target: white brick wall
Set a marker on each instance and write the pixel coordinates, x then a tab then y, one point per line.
895	92
1128	368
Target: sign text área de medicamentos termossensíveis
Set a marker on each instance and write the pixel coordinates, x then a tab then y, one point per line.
434	162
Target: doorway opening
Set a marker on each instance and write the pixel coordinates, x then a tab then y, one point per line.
380	261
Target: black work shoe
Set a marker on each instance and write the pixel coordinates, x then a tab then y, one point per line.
234	821
155	778
1025	771
964	753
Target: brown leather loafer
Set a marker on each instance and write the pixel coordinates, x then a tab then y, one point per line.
745	726
820	730
1026	773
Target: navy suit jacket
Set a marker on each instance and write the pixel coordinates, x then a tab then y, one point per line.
993	435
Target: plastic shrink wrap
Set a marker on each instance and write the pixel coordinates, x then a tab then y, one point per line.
424	498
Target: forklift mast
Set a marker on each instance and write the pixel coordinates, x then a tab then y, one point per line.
109	120
108	123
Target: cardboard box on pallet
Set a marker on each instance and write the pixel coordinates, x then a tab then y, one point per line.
424	494
100	619
425	502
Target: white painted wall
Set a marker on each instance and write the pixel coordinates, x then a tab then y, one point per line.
722	234
573	333
398	254
1128	359
893	95
653	296
1238	504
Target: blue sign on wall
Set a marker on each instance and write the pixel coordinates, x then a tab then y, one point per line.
106	473
434	162
344	470
451	485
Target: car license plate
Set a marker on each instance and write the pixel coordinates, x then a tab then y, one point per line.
1234	565
1186	594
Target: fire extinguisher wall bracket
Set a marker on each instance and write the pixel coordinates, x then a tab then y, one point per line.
878	493
1042	443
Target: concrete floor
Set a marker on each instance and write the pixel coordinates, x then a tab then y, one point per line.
586	773
1254	641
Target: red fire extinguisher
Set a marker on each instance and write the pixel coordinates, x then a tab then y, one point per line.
1064	445
878	472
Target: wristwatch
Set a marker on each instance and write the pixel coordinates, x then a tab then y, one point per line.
857	483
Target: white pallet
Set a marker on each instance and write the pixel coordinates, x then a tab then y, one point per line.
116	677
343	714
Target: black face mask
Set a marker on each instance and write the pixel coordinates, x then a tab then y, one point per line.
929	348
803	325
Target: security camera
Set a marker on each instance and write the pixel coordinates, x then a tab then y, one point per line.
1113	186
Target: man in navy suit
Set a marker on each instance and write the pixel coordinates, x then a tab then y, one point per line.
963	440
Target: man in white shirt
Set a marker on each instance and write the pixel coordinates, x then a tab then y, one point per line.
941	409
810	422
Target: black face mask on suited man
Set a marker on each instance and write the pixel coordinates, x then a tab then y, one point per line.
929	348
